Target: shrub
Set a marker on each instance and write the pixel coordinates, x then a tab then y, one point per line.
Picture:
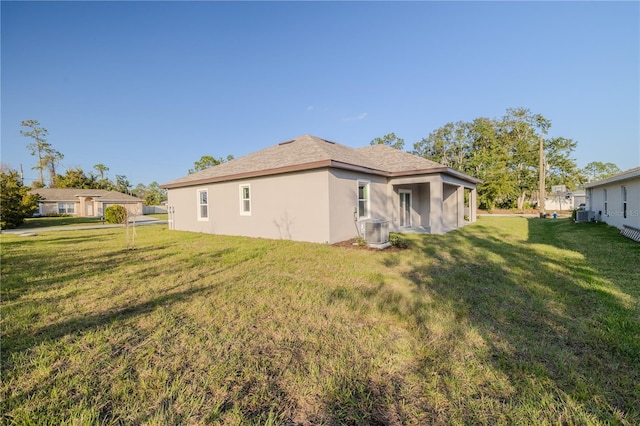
115	214
397	241
16	203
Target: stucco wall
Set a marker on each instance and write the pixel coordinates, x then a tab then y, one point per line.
419	204
450	206
288	206
343	190
614	215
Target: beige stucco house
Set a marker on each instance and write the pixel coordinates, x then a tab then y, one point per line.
310	189
83	202
616	200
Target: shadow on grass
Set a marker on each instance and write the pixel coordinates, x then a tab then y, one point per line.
45	222
558	322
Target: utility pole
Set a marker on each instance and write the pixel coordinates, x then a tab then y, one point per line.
542	172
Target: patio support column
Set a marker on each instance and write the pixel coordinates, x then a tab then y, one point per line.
436	201
460	206
473	205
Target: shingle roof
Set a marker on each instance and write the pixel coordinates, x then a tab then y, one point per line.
394	160
309	152
627	174
70	194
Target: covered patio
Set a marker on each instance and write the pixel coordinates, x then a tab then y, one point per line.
433	204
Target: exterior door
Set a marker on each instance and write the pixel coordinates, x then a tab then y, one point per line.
405	208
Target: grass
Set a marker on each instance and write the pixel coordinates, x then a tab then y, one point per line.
509	320
50	221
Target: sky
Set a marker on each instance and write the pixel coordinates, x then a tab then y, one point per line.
148	88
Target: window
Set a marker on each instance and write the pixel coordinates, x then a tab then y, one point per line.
66	208
245	200
624	202
606	208
363	199
203	204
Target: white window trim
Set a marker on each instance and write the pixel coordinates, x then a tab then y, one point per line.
367	183
66	205
400	193
242	211
199	205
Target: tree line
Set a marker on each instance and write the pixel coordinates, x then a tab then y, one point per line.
48	160
504	154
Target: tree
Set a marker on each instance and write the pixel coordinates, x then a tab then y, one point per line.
390	140
207	161
101	168
122	184
76	178
520	130
503	153
562	169
39	145
50	160
155	195
48	157
597	170
152	195
16	203
448	145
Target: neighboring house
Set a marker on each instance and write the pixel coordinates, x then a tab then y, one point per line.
616	200
83	202
310	189
568	200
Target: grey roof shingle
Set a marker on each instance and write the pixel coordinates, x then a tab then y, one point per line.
308	152
393	160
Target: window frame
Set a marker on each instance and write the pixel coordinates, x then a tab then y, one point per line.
606	203
362	183
200	204
623	188
63	207
242	187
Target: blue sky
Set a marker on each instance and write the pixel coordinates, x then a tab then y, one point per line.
147	88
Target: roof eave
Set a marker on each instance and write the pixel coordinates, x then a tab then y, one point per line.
318	165
630	174
443	169
246	175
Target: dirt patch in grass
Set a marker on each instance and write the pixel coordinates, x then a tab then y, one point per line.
353	244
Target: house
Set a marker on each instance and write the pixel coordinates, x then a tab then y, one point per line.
83	202
564	200
311	189
616	200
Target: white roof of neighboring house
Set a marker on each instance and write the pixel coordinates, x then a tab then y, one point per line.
309	152
626	175
71	194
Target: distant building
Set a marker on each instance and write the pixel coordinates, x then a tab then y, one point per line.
568	200
83	202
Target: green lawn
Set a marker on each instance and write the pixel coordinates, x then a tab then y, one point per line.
51	221
510	320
